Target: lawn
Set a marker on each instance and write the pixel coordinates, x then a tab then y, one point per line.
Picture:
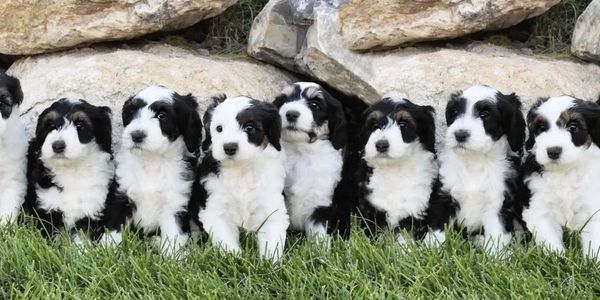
34	268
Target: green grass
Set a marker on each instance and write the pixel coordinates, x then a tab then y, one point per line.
32	268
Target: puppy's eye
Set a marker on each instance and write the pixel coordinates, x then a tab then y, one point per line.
573	127
78	125
161	115
374	124
249	128
219	128
402	124
50	125
314	105
484	114
540	127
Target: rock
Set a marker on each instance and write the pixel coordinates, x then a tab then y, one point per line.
31	27
586	37
367	24
110	76
426	75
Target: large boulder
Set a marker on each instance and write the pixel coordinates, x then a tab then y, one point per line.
367	24
307	39
110	76
586	37
31	27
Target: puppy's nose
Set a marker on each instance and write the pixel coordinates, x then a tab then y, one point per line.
554	152
292	115
382	146
461	136
59	147
138	136
230	148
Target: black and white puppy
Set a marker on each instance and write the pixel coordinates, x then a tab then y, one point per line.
13	149
71	169
156	163
398	185
243	175
314	136
479	164
561	172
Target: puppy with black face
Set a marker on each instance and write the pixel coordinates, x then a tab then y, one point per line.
71	170
314	138
398	184
156	164
561	172
13	149
242	175
480	160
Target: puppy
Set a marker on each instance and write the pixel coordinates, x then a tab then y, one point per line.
13	146
561	172
479	164
71	170
398	185
156	164
314	137
242	175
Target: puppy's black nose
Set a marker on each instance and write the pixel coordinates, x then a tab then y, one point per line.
230	148
554	152
59	147
461	136
138	136
292	115
382	146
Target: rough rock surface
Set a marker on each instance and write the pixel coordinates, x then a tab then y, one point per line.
31	26
367	24
110	76
586	37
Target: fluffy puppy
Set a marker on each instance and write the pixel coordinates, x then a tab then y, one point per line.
561	172
243	175
398	185
479	164
314	136
156	164
13	146
70	169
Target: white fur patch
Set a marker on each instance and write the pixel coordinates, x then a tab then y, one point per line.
13	165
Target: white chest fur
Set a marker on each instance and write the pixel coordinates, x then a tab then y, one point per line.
402	188
157	185
477	182
13	165
312	173
247	193
83	187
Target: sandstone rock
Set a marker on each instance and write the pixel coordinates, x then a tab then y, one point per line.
586	37
367	24
110	76
31	27
425	75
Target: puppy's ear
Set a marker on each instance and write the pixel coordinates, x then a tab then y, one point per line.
279	100
188	122
512	120
336	121
531	114
426	127
216	100
591	113
271	124
13	86
103	127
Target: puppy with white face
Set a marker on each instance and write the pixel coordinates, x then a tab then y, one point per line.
13	149
398	184
71	170
561	172
314	137
483	145
242	175
156	164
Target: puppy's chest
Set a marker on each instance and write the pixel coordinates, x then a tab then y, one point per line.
401	192
473	180
79	192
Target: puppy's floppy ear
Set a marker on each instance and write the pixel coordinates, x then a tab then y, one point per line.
216	100
591	113
336	121
279	100
512	120
13	86
188	121
271	123
530	116
101	117
426	127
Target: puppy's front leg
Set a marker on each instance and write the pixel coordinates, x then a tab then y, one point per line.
546	232
172	238
271	236
223	234
590	239
495	236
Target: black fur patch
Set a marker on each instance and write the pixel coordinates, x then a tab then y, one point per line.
261	121
11	94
